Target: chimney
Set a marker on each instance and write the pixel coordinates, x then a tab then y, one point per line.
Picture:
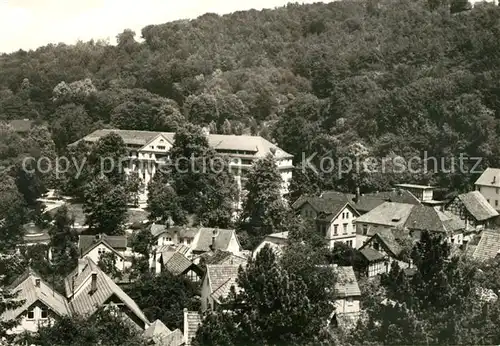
358	194
81	265
93	284
37	282
186	326
494	179
215	233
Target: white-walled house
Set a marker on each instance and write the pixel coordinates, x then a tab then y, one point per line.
347	291
148	150
94	246
489	186
334	218
194	241
42	304
87	289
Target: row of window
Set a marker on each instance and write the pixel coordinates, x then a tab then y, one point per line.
186	241
497	190
43	315
344	229
496	202
345	215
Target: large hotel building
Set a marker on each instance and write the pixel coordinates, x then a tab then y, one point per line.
148	150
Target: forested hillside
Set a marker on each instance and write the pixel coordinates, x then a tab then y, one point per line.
392	77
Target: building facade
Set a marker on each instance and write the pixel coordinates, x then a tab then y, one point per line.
488	185
334	218
148	150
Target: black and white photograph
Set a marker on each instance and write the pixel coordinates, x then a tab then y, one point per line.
249	173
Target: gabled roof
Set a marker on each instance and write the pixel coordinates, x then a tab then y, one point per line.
159	135
477	205
490	177
488	246
371	255
88	242
222	240
388	213
388	241
427	218
85	302
221	278
341	196
175	262
28	291
222	257
161	335
156	328
324	205
183	232
346	284
370	201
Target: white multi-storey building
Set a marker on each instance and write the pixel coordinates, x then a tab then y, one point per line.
148	150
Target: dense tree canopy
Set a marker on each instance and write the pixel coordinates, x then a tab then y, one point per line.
400	77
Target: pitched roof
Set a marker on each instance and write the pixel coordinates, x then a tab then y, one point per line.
346	284
490	177
341	196
88	242
222	240
220	278
427	218
366	203
161	335
222	257
183	232
370	201
326	205
28	291
156	328
192	321
488	246
387	239
175	262
371	255
256	146
477	205
85	302
388	213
